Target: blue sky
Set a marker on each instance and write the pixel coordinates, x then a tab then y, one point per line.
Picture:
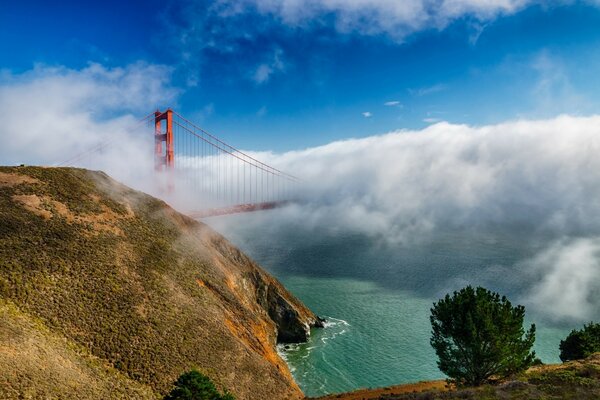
269	75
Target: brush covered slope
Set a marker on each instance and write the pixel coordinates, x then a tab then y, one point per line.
106	292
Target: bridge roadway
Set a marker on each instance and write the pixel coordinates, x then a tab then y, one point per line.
213	212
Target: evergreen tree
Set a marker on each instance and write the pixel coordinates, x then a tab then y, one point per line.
193	385
581	343
477	334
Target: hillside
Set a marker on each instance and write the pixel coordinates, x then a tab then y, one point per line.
106	292
577	380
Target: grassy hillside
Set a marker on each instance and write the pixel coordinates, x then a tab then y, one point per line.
36	363
109	279
576	380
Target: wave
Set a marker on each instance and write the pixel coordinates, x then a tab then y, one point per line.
302	358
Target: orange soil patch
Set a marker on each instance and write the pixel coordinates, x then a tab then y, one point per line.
257	338
9	180
373	394
256	334
34	204
43	205
201	283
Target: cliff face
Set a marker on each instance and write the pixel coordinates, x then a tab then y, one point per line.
119	282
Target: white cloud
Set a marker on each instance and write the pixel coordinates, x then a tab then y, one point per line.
264	71
477	29
431	120
427	90
198	29
367	114
568	280
395	18
541	175
553	90
538	179
53	113
393	103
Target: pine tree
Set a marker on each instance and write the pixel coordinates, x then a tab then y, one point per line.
477	334
581	343
193	385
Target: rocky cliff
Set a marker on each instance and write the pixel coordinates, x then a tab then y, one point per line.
107	290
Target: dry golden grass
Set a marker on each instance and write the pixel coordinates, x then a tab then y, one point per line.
36	364
47	208
390	391
576	380
14	179
117	272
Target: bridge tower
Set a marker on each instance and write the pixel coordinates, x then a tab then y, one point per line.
166	159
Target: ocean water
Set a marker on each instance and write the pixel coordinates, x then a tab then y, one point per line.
377	295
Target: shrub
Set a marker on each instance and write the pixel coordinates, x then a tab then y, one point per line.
193	385
477	334
581	343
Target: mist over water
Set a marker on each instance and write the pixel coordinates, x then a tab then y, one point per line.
377	294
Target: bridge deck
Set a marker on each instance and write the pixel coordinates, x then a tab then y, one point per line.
240	208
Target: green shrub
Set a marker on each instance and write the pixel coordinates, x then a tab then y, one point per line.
581	343
477	334
193	385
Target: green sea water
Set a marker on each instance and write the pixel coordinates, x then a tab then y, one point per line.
376	296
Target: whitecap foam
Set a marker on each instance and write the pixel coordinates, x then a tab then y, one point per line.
331	322
298	355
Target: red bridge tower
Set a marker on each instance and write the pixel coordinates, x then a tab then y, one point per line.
166	159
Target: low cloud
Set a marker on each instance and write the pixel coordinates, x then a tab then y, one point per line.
541	175
567	276
367	114
535	179
54	113
394	103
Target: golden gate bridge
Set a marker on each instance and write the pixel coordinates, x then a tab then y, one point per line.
224	178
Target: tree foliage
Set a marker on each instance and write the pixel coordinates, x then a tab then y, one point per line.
477	334
193	385
581	343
